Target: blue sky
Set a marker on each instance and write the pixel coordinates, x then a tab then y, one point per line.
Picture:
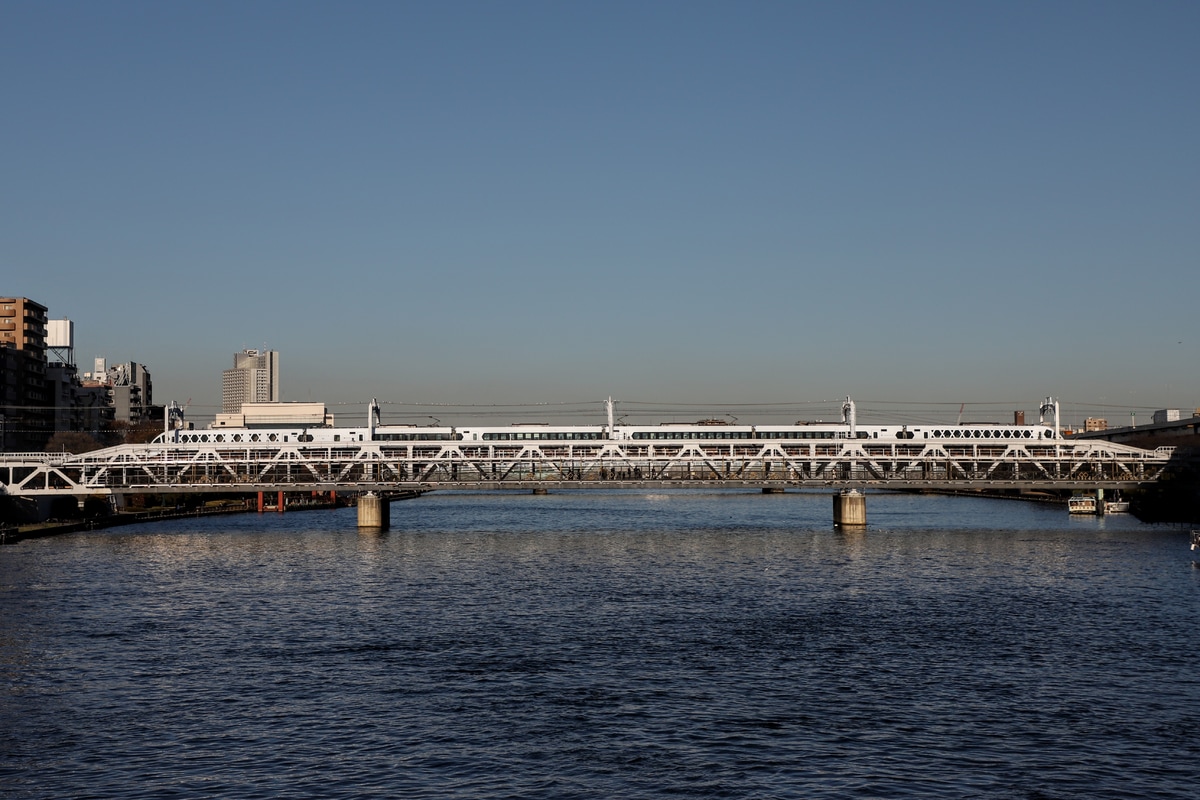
667	202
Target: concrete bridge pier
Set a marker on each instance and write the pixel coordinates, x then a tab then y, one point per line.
850	509
374	511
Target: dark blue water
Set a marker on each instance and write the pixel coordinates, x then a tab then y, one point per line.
620	645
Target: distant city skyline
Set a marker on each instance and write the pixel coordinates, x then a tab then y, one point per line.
666	203
255	378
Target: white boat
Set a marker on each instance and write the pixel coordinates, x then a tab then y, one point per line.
1081	504
1116	506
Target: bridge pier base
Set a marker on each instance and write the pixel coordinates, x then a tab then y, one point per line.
850	509
374	511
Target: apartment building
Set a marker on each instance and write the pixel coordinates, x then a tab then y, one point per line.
26	416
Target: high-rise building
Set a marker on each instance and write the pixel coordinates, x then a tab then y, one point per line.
23	324
26	419
253	379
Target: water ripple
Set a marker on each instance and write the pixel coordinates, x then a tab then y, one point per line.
611	646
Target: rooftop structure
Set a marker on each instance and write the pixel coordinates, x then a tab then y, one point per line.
263	415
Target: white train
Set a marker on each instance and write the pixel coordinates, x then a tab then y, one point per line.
716	430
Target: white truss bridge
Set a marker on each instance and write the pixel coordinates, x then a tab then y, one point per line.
383	466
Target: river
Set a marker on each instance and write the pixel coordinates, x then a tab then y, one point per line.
606	645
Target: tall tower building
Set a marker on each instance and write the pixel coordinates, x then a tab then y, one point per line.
26	416
253	379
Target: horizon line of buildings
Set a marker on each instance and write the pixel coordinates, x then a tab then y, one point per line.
42	392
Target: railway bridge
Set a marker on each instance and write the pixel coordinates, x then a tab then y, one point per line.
372	469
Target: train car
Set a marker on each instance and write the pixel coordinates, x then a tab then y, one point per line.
702	430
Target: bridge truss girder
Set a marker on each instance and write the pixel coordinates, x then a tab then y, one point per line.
149	468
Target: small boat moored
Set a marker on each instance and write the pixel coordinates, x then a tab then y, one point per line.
1081	504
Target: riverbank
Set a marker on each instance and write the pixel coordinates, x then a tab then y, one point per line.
11	534
39	530
18	533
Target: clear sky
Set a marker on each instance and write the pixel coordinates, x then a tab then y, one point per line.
668	202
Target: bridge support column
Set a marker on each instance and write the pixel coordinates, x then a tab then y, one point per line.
261	504
373	511
850	509
279	505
